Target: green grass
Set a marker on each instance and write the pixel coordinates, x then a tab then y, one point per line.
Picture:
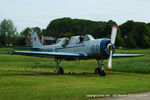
5	50
135	64
34	78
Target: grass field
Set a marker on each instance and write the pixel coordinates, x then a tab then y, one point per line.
33	78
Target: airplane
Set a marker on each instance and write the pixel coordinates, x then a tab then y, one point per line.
78	48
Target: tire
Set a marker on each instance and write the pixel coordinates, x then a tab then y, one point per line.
60	71
97	71
103	73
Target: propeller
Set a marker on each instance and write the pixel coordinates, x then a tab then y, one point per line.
110	46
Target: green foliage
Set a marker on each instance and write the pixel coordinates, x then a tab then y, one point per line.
119	40
58	27
146	42
7	32
27	31
130	31
61	26
131	42
137	31
67	35
38	30
67	27
43	32
126	28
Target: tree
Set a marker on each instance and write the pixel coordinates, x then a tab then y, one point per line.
67	35
27	31
43	32
135	30
59	27
15	38
66	27
3	30
38	30
119	39
7	32
146	42
126	28
131	42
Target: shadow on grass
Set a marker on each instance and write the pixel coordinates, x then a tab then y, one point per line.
39	73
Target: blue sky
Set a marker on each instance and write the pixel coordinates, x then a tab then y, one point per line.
39	13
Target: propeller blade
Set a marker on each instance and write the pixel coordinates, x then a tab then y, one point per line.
110	61
113	34
113	37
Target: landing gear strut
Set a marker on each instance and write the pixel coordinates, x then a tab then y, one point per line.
100	70
59	69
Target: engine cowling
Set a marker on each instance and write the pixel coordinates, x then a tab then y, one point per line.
105	47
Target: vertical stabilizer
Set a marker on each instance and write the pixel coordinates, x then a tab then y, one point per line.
35	41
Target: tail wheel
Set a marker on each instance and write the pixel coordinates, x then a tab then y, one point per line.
60	71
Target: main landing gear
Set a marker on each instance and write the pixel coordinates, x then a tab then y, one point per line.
100	70
59	69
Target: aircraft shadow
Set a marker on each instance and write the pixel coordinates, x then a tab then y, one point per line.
39	73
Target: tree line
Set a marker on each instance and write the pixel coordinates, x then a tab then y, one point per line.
130	34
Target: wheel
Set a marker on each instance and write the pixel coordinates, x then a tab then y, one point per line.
102	73
60	70
97	71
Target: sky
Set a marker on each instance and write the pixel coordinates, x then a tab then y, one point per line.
32	13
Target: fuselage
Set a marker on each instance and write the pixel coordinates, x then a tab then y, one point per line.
96	48
87	45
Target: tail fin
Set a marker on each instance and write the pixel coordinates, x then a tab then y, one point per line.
35	41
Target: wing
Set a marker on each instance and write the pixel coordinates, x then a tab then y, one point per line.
57	54
126	55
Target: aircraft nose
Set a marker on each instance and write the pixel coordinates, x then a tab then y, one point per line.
103	47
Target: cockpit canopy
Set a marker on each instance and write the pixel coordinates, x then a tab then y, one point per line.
61	41
88	37
75	39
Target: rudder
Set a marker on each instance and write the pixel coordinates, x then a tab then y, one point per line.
35	41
